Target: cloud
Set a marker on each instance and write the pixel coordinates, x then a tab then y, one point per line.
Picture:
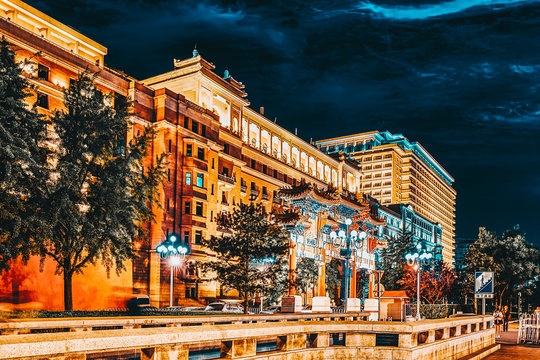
422	12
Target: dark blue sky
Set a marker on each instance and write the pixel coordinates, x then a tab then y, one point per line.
459	76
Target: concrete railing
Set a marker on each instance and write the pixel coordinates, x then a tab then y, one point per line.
35	326
316	337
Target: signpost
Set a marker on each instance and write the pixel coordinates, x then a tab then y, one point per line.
483	287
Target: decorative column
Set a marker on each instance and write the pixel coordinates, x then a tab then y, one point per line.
321	283
352	289
292	268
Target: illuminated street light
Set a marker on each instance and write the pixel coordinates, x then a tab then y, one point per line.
347	236
416	260
173	251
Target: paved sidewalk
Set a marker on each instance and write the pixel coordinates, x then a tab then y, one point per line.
511	350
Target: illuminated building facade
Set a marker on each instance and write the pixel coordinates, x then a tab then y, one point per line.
221	152
397	171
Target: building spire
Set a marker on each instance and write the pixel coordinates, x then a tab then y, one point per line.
195	52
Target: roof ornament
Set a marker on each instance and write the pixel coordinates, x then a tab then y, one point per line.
226	75
195	52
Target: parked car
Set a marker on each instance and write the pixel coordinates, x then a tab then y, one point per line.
225	307
276	309
139	304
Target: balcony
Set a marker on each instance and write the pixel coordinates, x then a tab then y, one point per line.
254	192
243	189
226	179
265	197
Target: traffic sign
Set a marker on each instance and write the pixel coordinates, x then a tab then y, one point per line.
380	291
483	296
483	282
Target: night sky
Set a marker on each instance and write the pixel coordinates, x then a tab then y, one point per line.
459	76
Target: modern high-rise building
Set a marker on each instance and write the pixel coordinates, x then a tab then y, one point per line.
396	170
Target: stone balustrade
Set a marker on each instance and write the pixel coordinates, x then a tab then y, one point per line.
319	336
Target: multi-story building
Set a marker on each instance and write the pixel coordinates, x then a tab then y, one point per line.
397	171
402	218
221	152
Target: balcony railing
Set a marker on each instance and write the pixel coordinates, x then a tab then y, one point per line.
227	179
243	188
265	197
254	192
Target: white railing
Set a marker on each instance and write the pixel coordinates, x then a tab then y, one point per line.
529	329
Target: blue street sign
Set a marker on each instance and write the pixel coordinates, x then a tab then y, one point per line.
483	282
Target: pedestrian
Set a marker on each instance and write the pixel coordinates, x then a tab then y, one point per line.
498	319
506	317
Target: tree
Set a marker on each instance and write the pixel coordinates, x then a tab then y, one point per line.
513	261
99	196
307	272
334	276
436	283
250	258
23	160
393	259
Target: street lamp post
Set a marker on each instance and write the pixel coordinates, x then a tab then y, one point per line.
175	252
353	235
416	260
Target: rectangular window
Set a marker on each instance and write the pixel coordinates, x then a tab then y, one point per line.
168	204
264	190
203	130
212	191
188	178
189	150
169	175
186	122
200	153
226	148
213	164
285	178
200	180
170	145
265	169
198	237
43	100
186	237
253	163
43	72
253	186
199	208
195	126
275	173
187	208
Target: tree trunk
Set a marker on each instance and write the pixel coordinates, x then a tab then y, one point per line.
246	303
68	293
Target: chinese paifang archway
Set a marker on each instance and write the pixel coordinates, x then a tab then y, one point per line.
310	214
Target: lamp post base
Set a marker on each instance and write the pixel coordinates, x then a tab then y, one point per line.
352	305
321	304
291	304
